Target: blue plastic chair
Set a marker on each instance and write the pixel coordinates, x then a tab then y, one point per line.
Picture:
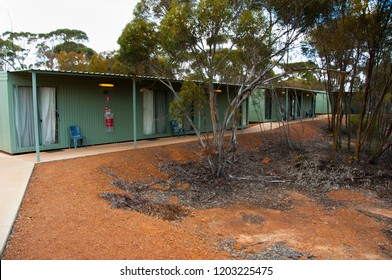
74	135
176	128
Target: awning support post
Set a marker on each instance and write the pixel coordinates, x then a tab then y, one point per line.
36	119
134	115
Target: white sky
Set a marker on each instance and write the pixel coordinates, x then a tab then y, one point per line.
102	20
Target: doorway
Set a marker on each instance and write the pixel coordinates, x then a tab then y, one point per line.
154	112
24	116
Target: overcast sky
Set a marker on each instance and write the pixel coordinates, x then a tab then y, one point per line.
102	20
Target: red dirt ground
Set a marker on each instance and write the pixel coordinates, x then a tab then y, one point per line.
64	217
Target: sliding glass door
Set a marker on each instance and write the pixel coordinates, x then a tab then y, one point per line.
154	112
148	112
24	116
47	114
160	112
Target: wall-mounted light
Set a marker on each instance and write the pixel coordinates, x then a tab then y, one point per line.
218	90
105	85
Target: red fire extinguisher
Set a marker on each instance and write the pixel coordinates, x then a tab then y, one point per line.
108	119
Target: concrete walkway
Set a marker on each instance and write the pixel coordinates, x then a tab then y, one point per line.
15	171
15	174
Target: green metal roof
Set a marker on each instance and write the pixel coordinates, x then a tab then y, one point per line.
136	77
87	74
101	74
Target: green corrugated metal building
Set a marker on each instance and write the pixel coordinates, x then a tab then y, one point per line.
138	105
283	103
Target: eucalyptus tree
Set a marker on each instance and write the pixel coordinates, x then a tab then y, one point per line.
216	40
105	62
65	49
353	44
338	44
15	50
376	104
22	50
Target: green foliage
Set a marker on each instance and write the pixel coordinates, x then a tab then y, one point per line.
14	49
304	70
253	40
220	39
215	40
354	119
138	42
388	99
174	34
62	48
303	13
192	100
212	21
150	9
74	47
67	35
59	49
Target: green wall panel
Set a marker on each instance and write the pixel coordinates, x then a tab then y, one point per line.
81	101
5	139
257	106
322	103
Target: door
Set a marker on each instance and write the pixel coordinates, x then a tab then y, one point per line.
24	116
154	112
47	114
148	112
267	105
160	112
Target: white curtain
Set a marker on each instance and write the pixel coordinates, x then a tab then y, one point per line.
148	112
24	116
47	114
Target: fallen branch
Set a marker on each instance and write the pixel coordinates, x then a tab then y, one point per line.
268	179
252	244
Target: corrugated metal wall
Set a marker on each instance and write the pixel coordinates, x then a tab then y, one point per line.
304	99
257	106
81	101
5	139
322	106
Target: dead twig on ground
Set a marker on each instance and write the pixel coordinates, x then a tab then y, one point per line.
259	178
